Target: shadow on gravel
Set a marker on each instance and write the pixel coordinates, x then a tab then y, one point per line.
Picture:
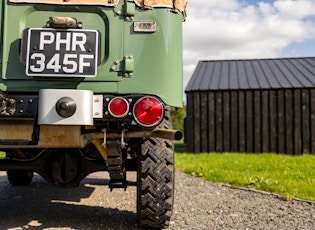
42	206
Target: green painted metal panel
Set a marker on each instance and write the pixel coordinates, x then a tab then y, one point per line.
35	16
157	57
131	62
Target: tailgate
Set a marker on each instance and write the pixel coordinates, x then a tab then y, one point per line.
34	48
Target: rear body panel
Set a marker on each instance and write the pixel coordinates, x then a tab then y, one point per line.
130	62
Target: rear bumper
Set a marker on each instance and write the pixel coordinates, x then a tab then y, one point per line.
33	121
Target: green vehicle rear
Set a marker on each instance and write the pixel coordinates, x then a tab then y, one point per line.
87	86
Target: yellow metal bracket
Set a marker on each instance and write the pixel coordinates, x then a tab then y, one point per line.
101	147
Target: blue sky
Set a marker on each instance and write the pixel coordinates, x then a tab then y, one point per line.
305	48
238	29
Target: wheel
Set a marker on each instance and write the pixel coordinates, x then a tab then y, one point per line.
155	180
20	178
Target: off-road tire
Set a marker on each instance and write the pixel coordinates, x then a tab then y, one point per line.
155	180
20	178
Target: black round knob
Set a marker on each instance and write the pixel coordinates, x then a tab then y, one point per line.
66	107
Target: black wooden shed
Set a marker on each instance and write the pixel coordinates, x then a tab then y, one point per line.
254	106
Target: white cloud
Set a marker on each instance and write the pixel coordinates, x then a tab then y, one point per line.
298	9
232	29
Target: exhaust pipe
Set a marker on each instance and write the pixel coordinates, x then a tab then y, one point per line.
170	134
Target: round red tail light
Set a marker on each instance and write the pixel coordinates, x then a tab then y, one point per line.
148	111
118	107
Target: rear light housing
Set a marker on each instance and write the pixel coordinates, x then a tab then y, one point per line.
145	110
118	107
148	111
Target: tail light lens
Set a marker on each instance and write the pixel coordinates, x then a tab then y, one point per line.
148	111
118	107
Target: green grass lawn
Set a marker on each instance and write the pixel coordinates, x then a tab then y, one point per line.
290	176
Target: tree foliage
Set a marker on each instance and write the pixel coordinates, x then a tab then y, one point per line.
178	115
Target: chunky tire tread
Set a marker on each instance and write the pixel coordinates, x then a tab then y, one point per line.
155	187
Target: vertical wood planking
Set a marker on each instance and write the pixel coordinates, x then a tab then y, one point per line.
281	121
273	121
257	121
219	121
265	111
189	123
249	114
235	121
226	121
297	143
288	121
211	121
203	121
306	121
242	121
196	130
312	121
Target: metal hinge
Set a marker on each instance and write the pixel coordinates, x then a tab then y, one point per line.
126	66
129	10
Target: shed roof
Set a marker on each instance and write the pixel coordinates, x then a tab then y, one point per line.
253	74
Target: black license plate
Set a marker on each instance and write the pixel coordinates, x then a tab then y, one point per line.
58	53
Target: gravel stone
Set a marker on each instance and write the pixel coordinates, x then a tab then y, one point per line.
198	205
204	205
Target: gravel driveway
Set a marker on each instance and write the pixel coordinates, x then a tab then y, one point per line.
198	205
